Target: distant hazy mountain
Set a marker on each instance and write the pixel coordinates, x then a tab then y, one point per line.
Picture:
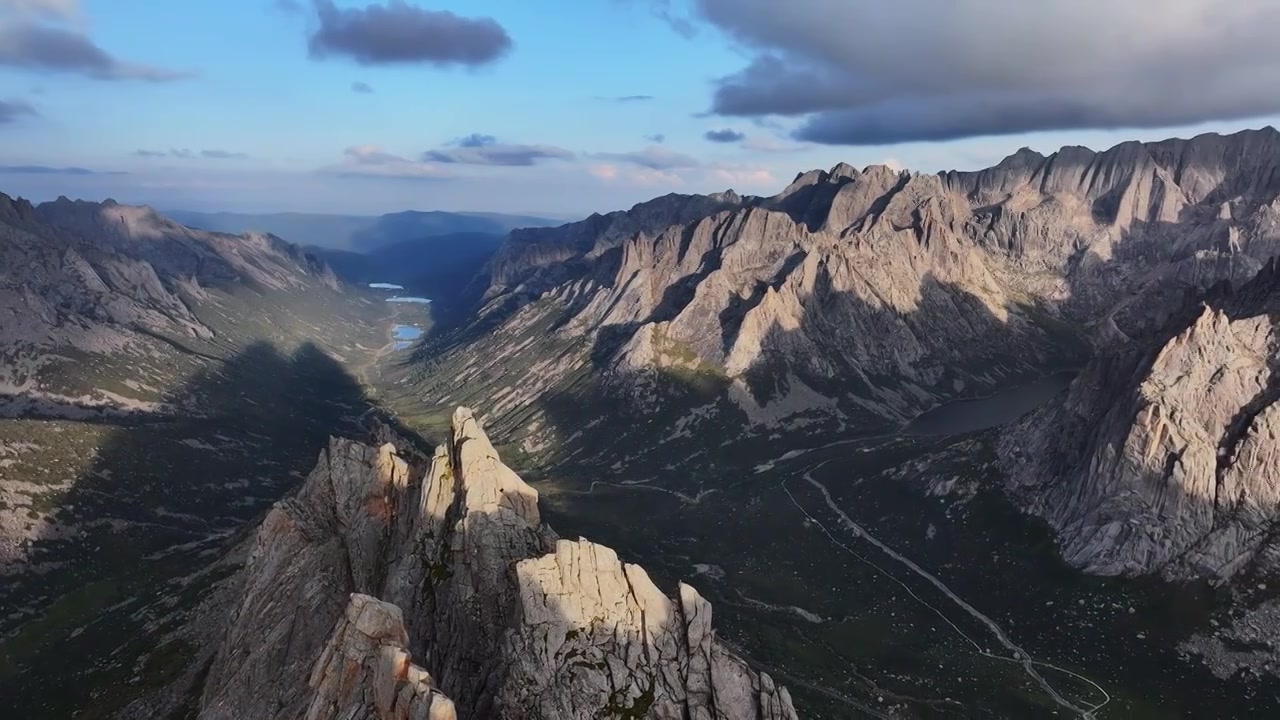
438	266
361	233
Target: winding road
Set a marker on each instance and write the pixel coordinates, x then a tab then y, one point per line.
1019	655
363	370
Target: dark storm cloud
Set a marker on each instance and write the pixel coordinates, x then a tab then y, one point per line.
724	136
288	7
653	158
362	88
478	149
46	48
11	110
988	67
47	170
401	33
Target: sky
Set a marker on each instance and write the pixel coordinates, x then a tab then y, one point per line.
566	107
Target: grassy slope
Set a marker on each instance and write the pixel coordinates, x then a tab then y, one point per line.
156	497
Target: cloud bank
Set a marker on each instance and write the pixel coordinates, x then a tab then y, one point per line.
43	36
870	73
188	154
47	170
653	158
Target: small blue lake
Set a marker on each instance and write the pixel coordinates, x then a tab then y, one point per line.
419	300
385	286
406	332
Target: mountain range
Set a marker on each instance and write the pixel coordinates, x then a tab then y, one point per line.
852	415
752	341
357	233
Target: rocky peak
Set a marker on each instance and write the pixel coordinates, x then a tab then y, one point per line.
456	573
365	670
844	170
16	209
846	276
1161	456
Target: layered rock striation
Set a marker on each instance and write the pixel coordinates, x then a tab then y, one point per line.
452	598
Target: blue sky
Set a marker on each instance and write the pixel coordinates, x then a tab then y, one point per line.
225	105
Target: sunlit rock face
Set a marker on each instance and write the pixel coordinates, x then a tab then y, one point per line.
451	598
862	297
884	291
1162	457
103	278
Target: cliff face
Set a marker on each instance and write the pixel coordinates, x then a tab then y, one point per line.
108	310
874	294
98	277
502	618
149	374
1162	457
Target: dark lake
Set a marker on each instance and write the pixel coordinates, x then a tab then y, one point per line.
1003	406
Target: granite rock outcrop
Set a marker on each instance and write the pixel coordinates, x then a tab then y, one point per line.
452	598
1162	455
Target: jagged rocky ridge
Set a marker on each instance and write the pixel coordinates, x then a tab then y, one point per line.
1163	455
106	311
867	296
451	597
98	277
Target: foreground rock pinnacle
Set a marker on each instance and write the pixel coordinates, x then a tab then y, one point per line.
371	596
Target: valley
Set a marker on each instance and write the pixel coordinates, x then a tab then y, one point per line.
726	390
639	360
845	574
837	487
126	471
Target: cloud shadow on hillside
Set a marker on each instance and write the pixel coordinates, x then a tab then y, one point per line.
156	496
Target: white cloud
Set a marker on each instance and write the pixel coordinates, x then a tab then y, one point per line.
373	161
744	175
653	157
604	172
